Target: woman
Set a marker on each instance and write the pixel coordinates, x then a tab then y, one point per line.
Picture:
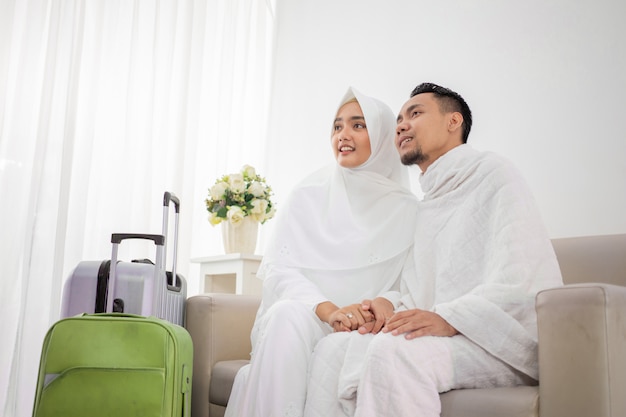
342	237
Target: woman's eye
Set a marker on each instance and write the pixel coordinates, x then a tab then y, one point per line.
359	126
415	113
336	128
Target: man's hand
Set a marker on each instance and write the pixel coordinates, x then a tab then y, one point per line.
417	323
382	309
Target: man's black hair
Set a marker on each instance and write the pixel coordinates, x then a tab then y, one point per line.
449	101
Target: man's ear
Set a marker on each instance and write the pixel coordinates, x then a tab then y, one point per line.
455	121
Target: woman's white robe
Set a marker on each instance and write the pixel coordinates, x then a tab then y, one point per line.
343	236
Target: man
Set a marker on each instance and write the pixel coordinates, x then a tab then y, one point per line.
466	317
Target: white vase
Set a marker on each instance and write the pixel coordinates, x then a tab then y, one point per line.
240	238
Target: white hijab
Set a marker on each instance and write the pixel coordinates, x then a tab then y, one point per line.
345	218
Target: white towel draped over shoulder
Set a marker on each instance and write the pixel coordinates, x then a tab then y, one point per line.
481	254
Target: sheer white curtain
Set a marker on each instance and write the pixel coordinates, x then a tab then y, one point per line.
104	105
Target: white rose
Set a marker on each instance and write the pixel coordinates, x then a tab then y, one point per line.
218	190
235	215
256	189
249	171
237	185
258	206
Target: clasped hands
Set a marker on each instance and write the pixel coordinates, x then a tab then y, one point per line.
373	316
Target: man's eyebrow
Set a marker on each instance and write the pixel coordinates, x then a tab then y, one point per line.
409	109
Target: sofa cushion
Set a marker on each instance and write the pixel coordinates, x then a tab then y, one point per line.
222	378
501	402
592	259
493	402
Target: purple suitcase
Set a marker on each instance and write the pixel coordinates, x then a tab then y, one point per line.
137	287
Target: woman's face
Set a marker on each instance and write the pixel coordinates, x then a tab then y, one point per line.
350	140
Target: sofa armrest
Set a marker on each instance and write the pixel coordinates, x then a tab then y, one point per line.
219	325
582	350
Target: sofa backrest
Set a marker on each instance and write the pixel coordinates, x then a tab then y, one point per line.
592	259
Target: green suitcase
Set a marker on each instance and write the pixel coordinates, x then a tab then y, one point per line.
114	365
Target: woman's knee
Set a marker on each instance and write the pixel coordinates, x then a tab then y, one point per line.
287	320
286	308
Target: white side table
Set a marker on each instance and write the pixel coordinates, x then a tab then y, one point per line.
231	273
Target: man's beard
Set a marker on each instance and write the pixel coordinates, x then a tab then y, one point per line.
414	157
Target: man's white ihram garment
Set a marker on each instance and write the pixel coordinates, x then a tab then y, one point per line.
343	236
481	254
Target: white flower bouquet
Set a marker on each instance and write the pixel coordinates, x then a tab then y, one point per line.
235	196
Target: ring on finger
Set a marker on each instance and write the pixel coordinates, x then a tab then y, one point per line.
349	315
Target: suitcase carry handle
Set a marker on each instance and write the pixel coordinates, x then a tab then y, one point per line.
116	239
127	315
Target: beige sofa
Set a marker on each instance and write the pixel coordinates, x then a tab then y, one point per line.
582	343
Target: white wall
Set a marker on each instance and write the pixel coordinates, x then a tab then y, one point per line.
546	82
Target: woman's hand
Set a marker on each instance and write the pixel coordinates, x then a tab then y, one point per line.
349	318
382	309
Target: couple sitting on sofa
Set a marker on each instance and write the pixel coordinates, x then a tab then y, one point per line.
368	290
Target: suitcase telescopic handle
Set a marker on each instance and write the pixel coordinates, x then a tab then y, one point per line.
167	197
